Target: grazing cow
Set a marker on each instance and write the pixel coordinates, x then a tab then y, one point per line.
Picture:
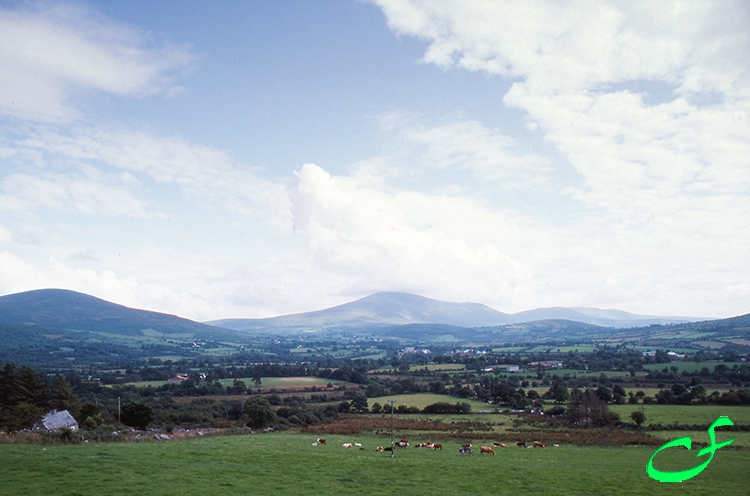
464	450
347	445
437	446
321	441
521	444
402	444
387	448
362	448
539	444
379	449
486	449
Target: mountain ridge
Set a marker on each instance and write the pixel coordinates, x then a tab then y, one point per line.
394	308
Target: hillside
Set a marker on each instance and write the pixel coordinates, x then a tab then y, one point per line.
58	328
69	310
527	332
64	309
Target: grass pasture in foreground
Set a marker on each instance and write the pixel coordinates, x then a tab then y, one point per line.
287	463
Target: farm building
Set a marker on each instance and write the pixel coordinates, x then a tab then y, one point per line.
55	420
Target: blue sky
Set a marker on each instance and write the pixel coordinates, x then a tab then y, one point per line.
260	158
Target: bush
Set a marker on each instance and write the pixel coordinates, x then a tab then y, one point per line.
259	412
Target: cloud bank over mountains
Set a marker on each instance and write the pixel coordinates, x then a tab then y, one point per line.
602	162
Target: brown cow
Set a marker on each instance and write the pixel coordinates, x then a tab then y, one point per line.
500	445
437	446
486	449
379	449
521	444
321	441
539	444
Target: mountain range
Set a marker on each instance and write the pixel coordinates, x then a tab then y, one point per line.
54	326
394	309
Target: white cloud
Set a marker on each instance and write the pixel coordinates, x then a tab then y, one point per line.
50	52
650	103
87	191
406	240
115	163
466	150
18	275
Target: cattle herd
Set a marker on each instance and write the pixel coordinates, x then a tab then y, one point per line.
465	449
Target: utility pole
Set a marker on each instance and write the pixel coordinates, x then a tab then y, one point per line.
393	446
118	410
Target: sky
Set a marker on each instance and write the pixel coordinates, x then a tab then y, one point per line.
252	159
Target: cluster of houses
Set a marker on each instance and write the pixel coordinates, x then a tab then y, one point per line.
468	353
416	351
184	377
552	364
516	368
671	354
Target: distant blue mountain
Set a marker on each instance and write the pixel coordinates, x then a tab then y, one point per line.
393	309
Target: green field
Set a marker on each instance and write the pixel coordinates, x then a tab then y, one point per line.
508	349
583	348
266	382
689	366
288	464
432	367
275	382
685	414
422	400
582	373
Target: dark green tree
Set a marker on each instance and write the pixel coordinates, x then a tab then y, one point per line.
437	387
604	394
29	388
638	417
136	414
23	416
62	397
359	404
259	412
